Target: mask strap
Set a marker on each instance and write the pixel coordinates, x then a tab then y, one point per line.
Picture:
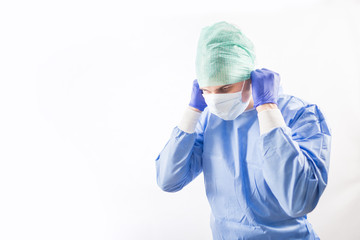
242	88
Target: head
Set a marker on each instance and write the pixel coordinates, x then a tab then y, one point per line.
224	60
224	56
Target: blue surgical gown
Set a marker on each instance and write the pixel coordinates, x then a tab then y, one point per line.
258	186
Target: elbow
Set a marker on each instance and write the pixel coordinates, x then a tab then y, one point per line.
166	186
300	208
304	197
295	213
169	189
167	180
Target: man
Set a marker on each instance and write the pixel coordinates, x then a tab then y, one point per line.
264	154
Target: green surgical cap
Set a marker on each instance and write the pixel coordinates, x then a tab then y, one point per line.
224	55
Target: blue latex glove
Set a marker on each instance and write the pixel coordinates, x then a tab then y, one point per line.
197	100
265	86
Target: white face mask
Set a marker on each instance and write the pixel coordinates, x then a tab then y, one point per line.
227	106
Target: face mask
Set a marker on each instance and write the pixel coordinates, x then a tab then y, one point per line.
227	106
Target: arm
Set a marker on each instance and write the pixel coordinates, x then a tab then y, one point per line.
296	157
181	159
296	160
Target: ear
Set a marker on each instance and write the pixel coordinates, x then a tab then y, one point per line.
248	85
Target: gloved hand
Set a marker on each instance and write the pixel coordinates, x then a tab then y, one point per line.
197	100
265	86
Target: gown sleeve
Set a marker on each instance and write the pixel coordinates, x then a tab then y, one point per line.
296	160
180	161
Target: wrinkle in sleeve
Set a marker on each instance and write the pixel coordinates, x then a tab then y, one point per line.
296	161
180	161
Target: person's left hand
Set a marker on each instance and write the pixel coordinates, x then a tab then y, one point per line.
265	86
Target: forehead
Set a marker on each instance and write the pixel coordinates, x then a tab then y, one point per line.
213	88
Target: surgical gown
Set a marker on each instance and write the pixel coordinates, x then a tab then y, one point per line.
258	186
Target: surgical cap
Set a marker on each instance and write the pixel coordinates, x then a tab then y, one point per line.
224	55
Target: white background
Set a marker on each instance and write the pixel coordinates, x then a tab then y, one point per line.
91	90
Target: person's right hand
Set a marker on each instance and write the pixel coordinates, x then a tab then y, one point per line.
197	100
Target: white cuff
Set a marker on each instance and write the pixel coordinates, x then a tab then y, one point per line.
270	119
189	120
